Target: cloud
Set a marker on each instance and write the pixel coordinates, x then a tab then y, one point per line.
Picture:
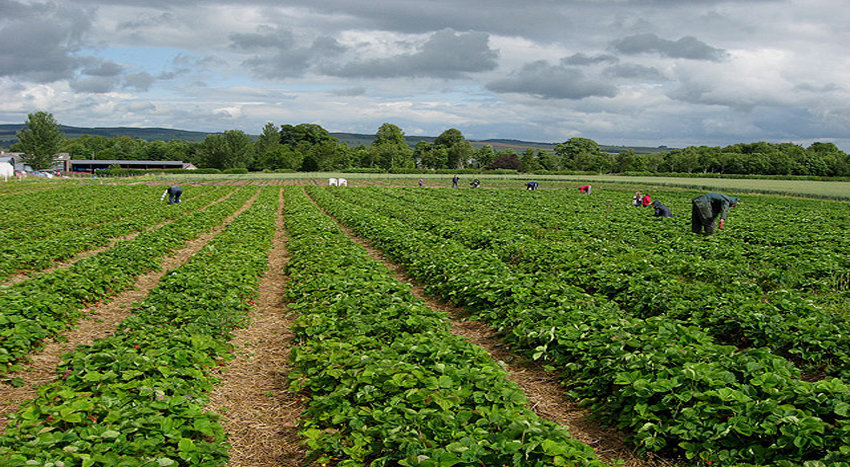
349	92
95	84
103	68
540	79
687	47
265	37
445	55
97	76
141	81
286	61
580	59
631	71
40	41
619	71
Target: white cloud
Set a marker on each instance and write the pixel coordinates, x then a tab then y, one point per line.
624	72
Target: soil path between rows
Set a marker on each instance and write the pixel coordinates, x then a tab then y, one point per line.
100	320
545	394
259	413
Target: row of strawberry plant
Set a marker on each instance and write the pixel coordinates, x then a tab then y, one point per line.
758	236
49	303
735	310
668	383
137	398
37	254
387	383
39	215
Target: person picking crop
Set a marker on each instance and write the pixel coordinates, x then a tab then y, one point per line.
707	208
173	193
661	210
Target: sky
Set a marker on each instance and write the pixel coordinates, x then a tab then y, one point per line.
652	73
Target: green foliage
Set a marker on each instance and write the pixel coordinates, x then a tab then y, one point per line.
386	384
643	320
137	397
50	303
40	141
226	151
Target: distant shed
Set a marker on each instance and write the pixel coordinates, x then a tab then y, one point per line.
88	165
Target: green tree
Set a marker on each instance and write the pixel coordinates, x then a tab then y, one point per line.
449	138
484	156
459	151
529	161
548	160
390	150
39	141
578	153
226	151
460	154
269	140
309	133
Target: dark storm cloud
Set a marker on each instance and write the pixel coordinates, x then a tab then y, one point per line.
821	88
141	81
632	71
580	59
282	62
265	37
540	79
103	69
349	92
95	84
445	55
146	21
40	41
687	47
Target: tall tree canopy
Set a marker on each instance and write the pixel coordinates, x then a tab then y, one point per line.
389	150
39	141
308	133
227	151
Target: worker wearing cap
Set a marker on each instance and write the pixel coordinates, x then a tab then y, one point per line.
707	208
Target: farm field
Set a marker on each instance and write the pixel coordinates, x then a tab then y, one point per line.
837	190
727	350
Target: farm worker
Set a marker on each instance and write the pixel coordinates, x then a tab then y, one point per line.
661	210
420	182
707	208
636	199
173	193
475	183
645	201
455	179
531	185
584	189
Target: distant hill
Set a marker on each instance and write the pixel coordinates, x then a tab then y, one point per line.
8	131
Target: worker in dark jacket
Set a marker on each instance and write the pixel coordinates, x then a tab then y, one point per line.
661	210
173	193
531	185
707	208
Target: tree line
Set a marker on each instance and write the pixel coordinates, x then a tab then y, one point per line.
309	147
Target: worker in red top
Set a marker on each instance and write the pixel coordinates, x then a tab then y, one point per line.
584	189
645	201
